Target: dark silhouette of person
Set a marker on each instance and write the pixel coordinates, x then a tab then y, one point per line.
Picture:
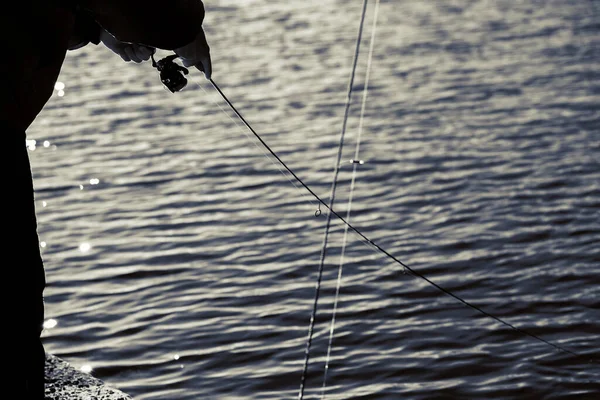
35	36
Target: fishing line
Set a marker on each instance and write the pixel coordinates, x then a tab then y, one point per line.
355	163
170	76
381	249
262	149
334	182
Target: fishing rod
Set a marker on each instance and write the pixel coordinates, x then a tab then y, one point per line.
172	76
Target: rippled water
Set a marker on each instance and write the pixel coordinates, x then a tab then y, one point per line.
181	263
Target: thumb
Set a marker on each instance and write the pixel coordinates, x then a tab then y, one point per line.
202	63
205	63
197	54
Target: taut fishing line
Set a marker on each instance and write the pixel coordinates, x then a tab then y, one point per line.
381	249
355	163
334	182
173	78
278	165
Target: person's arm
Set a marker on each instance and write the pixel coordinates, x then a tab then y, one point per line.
176	25
165	25
86	30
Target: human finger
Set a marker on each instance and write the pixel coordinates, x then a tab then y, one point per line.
144	52
131	54
205	65
197	54
123	55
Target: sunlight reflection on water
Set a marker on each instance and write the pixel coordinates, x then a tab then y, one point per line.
181	264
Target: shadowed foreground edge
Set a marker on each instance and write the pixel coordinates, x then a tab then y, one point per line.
64	382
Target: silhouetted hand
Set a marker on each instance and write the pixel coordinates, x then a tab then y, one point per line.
197	54
127	51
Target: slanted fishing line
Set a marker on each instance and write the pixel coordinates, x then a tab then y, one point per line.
370	242
262	149
355	163
381	249
336	172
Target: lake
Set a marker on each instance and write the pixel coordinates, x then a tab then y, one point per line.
181	263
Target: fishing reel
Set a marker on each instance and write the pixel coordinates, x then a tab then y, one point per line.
171	74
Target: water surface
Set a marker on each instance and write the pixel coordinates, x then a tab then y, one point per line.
181	263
